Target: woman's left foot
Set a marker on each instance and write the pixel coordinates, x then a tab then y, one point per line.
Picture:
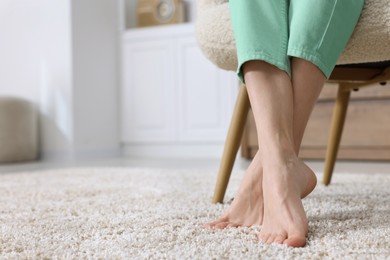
247	207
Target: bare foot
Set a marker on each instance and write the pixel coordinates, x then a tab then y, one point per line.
284	184
247	206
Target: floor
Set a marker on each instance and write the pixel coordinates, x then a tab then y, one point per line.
211	164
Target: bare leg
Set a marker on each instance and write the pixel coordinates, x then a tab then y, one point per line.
307	81
286	179
243	211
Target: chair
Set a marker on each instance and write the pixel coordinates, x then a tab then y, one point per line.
365	61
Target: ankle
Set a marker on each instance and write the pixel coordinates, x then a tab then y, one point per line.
279	156
277	144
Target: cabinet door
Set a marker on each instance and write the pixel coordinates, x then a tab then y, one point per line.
205	95
148	92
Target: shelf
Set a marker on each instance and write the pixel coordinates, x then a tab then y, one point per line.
162	30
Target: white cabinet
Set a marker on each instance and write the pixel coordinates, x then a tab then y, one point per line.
147	101
173	98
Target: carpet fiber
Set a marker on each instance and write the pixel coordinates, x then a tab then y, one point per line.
114	213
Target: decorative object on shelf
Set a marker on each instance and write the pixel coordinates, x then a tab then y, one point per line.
159	12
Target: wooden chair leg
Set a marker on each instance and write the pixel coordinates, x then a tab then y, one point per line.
336	131
232	144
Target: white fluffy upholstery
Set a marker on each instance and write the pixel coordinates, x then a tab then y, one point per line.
370	41
18	130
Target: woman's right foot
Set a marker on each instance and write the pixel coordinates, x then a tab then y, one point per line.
247	206
284	183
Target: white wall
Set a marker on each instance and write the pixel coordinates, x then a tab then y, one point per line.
62	55
95	31
35	63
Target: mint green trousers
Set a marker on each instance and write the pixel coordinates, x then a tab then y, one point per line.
276	30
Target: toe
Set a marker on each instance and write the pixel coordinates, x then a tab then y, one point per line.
263	238
222	225
231	225
270	239
214	223
210	225
295	241
279	239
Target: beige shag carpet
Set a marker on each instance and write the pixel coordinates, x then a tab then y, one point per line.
127	213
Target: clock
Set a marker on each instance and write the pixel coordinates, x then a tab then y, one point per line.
165	9
159	12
